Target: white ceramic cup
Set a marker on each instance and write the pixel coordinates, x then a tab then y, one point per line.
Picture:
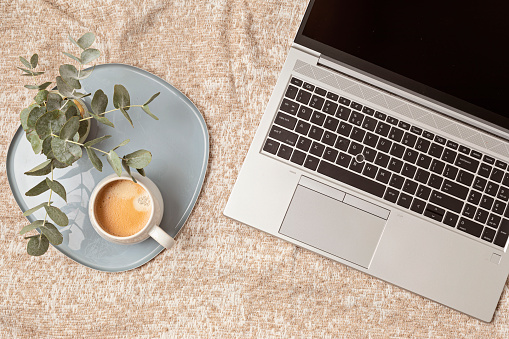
151	229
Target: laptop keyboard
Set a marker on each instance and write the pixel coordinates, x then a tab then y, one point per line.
393	160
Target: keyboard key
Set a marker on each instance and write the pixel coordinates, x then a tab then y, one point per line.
474	197
302	127
317	149
285	120
410	186
409	140
318	118
285	152
304	112
344	101
296	82
397	181
404	200
392	120
315	133
422	145
446	201
481	216
289	106
355	148
311	162
357	134
408	170
330	107
344	128
464	149
502	233
416	130
384	145
331	123
369	123
451	219
433	215
480	183
465	178
368	111
343	112
395	165
356	118
470	164
470	227
352	179
455	189
304	144
320	91
382	128
370	170
436	150
418	206
501	164
382	160
488	234
452	144
343	159
298	157
423	192
369	154
283	135
450	172
356	166
391	195
437	166
396	134
491	188
503	193
498	207
440	140
422	176
330	154
497	174
475	154
271	146
303	97
404	125
316	102
383	176
411	155
428	135
309	87
449	156
342	143
494	220
329	138
380	115
356	106
332	96
486	202
291	92
484	170
435	181
489	160
423	161
371	139
397	150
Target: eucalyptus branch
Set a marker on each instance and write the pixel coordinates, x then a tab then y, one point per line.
112	110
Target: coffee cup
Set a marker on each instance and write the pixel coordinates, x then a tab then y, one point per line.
125	212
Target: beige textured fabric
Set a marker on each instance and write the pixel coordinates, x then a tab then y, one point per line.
222	279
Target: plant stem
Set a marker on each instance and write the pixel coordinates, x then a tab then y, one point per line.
49	201
113	110
76	143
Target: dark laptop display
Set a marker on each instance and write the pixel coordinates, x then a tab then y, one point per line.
453	52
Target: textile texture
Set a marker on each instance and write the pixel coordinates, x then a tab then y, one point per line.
222	279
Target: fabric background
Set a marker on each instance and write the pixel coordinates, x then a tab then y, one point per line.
222	279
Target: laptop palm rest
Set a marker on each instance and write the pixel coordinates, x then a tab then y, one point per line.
334	222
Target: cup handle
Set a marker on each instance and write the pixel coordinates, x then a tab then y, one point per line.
161	237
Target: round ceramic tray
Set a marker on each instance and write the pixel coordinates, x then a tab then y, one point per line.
179	144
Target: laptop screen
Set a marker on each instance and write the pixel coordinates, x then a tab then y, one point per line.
450	51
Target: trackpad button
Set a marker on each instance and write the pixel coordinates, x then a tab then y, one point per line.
332	226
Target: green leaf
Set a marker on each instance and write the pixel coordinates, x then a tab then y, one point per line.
72	56
124	112
37	189
35	142
89	55
85	73
141	171
34	115
96	141
121	97
52	233
28	72
69	73
74	41
41	169
57	215
34	60
115	162
72	111
23	116
64	88
41	96
99	102
94	159
138	159
102	120
50	123
70	128
46	146
123	143
35	224
31	73
152	98
58	164
34	209
31	86
37	245
65	151
53	102
57	187
25	62
147	110
86	40
128	170
82	130
44	85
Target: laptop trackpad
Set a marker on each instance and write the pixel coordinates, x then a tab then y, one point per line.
333	225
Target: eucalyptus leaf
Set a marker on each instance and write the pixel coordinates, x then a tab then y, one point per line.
35	224
23	116
38	245
31	86
86	40
65	151
102	120
70	128
34	115
25	62
50	123
72	57
57	187
57	215
152	98
31	73
38	189
52	233
82	130
72	111
96	141
141	171
28	72
44	85
85	73
147	110
74	41
41	169
128	170
41	96
69	74
57	164
89	55
34	209
123	143
34	60
53	102
64	88
78	95
35	142
121	97
46	146
99	102
124	112
94	159
138	159
115	162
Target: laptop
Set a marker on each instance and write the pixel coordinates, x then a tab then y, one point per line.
385	147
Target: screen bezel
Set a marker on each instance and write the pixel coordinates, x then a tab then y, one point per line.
457	104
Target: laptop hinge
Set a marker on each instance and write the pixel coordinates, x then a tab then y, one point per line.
306	50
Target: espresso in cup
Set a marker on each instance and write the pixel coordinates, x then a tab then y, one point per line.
122	208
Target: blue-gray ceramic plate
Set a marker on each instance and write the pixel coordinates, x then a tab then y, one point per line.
179	144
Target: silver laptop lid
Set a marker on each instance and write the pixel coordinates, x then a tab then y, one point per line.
452	53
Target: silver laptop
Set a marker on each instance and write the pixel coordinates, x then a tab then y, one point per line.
385	147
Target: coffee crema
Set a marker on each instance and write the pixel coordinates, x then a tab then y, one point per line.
122	208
